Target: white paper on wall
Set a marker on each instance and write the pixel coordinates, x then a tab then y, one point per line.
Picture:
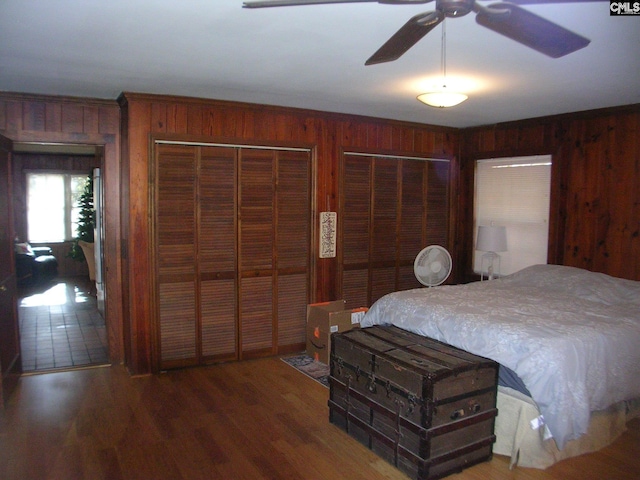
328	226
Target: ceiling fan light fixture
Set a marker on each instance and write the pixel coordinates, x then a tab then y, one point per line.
442	98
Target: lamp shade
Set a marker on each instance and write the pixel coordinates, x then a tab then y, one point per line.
492	239
442	99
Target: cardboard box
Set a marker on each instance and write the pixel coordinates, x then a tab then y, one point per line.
326	318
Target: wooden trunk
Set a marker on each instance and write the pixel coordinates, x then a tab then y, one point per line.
424	406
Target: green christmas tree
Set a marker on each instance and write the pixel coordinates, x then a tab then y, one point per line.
86	220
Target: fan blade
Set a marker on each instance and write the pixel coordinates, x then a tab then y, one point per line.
432	255
405	38
546	2
422	271
295	3
531	30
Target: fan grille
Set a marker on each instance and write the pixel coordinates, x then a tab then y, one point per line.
432	265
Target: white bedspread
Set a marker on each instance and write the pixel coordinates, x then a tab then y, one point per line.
571	335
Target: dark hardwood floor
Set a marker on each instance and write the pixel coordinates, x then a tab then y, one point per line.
258	419
60	326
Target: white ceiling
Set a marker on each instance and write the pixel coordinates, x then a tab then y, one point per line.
313	57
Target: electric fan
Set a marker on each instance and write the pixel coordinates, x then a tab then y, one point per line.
432	266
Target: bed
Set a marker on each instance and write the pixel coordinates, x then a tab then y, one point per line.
567	343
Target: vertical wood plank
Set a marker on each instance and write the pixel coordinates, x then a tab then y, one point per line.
352	134
531	136
53	118
265	125
159	117
72	118
406	139
91	119
3	115
177	118
210	124
194	119
33	115
108	123
373	136
425	141
14	120
247	129
230	123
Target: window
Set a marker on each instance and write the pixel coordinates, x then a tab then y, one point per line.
52	205
514	192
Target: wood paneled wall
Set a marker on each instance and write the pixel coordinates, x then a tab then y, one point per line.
197	119
45	119
595	198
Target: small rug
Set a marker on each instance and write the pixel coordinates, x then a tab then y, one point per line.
305	364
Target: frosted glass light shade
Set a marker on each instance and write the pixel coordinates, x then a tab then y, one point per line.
442	99
492	239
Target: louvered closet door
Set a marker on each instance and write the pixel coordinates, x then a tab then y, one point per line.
437	203
293	247
414	220
355	215
274	248
256	248
386	221
217	253
175	234
233	242
390	208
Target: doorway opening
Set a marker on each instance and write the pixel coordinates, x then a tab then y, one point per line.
61	314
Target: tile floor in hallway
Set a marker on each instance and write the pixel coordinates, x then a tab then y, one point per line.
60	326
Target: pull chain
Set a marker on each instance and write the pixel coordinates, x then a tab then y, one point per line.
443	54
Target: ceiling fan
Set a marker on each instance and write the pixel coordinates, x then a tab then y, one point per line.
504	18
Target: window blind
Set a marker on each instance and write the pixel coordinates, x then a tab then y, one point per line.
514	192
